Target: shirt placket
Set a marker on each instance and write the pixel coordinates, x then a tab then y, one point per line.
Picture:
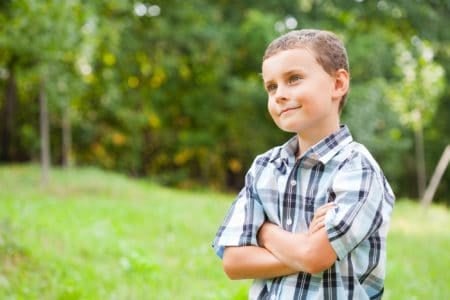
289	201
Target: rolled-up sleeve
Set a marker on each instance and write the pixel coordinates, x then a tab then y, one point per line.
243	220
358	193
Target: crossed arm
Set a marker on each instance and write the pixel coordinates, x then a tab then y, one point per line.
282	252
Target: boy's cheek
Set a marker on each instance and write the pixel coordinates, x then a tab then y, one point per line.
271	111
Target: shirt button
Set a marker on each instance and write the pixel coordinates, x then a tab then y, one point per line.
293	182
315	156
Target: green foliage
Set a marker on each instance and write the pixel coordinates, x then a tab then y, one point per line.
422	83
375	125
171	90
97	235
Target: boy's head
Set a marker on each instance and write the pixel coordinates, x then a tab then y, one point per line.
328	49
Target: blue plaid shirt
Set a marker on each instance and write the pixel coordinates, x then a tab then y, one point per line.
287	191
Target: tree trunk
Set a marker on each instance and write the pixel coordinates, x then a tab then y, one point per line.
66	138
8	117
45	136
420	162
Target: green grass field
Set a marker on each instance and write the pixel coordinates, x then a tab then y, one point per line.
97	235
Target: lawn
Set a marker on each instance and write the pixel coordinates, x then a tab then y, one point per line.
91	234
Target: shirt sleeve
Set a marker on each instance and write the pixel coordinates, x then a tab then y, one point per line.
358	193
243	220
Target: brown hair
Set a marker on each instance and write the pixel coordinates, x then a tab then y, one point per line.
328	48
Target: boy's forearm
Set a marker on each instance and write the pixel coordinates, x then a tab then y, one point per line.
252	262
303	252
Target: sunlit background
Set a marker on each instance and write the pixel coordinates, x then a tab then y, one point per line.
119	115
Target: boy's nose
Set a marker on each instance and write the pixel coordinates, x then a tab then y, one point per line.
281	94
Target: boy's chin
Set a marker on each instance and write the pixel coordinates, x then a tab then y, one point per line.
289	129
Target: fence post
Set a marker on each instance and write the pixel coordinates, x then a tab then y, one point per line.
437	175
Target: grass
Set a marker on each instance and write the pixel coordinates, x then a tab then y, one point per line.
97	235
418	253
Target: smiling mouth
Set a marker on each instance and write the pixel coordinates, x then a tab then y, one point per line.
289	109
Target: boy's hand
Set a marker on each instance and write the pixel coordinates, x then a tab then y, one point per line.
318	221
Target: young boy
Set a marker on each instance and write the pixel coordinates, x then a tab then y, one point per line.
312	219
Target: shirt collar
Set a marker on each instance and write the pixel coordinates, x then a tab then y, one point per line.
321	152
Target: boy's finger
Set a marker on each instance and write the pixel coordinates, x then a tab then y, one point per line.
328	205
323	209
315	226
318	220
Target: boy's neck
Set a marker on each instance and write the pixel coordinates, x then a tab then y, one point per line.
310	137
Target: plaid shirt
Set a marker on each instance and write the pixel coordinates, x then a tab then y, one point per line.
287	192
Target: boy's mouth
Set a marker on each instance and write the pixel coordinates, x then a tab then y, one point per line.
289	109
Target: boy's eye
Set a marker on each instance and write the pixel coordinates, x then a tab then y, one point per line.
294	78
271	87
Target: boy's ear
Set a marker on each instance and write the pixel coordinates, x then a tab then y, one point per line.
341	83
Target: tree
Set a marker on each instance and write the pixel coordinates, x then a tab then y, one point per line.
171	89
415	96
41	35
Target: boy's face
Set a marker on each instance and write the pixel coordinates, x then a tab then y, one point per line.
302	96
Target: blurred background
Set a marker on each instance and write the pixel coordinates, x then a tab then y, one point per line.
123	121
171	89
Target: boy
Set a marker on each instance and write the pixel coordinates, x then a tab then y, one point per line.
312	219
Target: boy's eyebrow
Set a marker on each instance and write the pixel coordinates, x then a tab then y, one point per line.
266	83
292	71
284	74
